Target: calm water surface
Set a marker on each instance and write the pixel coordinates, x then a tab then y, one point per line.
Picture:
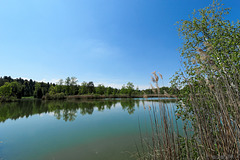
103	129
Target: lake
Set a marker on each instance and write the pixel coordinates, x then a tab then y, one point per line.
93	129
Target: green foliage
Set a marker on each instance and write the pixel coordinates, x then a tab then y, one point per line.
11	89
90	87
67	86
83	88
123	90
16	89
53	90
6	90
29	88
109	90
100	89
38	93
67	81
210	79
55	96
58	88
73	81
211	46
130	88
73	86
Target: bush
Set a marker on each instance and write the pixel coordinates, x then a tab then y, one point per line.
210	81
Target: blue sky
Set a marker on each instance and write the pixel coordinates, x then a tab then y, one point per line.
110	42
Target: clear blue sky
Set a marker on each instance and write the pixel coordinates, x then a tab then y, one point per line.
105	41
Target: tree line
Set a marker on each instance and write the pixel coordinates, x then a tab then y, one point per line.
11	89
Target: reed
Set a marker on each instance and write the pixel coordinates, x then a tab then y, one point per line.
163	141
211	119
59	96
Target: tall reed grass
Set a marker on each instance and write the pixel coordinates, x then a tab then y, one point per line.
163	140
211	129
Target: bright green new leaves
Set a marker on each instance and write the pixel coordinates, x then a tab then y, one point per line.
211	45
6	90
11	89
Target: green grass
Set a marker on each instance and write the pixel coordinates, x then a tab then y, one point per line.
28	98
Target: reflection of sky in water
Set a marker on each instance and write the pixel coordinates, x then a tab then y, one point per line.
42	135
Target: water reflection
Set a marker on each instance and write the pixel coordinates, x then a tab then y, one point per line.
66	110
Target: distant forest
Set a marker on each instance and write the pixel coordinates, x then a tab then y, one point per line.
11	89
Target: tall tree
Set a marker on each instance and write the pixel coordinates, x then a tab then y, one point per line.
67	81
67	87
38	91
130	88
123	90
90	87
73	86
16	89
109	90
73	81
83	88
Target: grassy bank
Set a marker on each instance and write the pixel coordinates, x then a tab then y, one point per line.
60	96
8	99
77	97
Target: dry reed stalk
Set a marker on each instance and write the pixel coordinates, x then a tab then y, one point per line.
164	142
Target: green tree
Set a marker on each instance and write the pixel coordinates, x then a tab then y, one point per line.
26	89
130	88
16	89
91	88
123	90
100	89
67	81
6	90
67	87
73	86
109	90
115	91
209	80
73	81
53	90
83	88
38	93
59	86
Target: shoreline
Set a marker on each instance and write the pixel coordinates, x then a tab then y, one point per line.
86	97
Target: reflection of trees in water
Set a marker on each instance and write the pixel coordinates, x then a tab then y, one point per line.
69	115
128	105
100	105
57	114
137	103
65	110
16	110
84	110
